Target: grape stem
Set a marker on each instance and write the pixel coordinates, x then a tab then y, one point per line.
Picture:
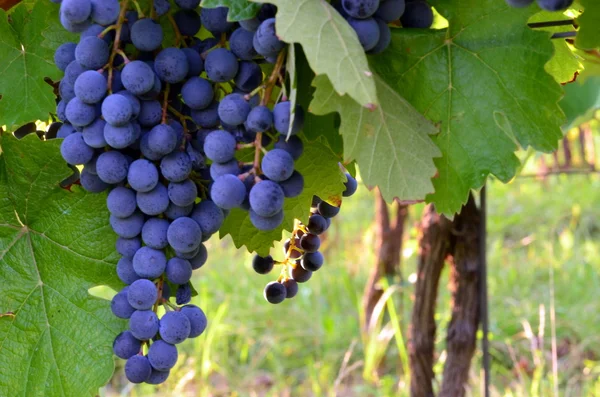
105	31
264	101
165	103
138	8
178	38
159	287
125	59
117	43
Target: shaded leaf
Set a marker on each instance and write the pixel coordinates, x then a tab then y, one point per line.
239	10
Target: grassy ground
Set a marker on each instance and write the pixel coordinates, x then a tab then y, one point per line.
543	250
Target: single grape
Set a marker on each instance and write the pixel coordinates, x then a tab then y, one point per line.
116	109
137	77
174	211
317	224
142	175
64	55
182	193
208	216
293	186
351	185
176	167
161	7
281	118
142	293
360	9
79	113
197	319
171	65
92	183
291	288
120	306
105	12
250	24
206	118
178	271
215	20
128	246
112	167
184	294
195	62
137	369
174	327
188	22
125	345
259	119
143	324
228	192
154	233
162	355
162	139
554	5
184	234
248	77
385	37
221	65
120	137
74	150
76	11
391	10
90	87
327	210
66	92
262	265
367	31
121	202
158	377
275	292
234	109
92	52
150	113
265	41
127	227
312	261
153	202
197	93
277	165
219	146
301	275
93	134
418	14
266	223
146	34
73	26
266	198
240	44
198	260
73	70
61	109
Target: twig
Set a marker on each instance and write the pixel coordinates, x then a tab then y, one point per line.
165	103
178	39
116	43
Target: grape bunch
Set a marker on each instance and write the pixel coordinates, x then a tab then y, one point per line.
301	250
547	5
370	19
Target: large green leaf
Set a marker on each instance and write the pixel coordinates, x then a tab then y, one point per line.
54	246
330	44
322	177
27	44
391	145
239	10
483	80
588	36
581	100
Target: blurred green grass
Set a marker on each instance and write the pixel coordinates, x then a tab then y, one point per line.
536	231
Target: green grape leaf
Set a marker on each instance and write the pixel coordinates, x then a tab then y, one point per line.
27	44
55	338
581	100
391	145
322	177
588	36
483	80
315	126
239	10
330	44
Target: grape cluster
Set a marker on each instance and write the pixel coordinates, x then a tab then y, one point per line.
548	5
159	129
301	250
370	19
